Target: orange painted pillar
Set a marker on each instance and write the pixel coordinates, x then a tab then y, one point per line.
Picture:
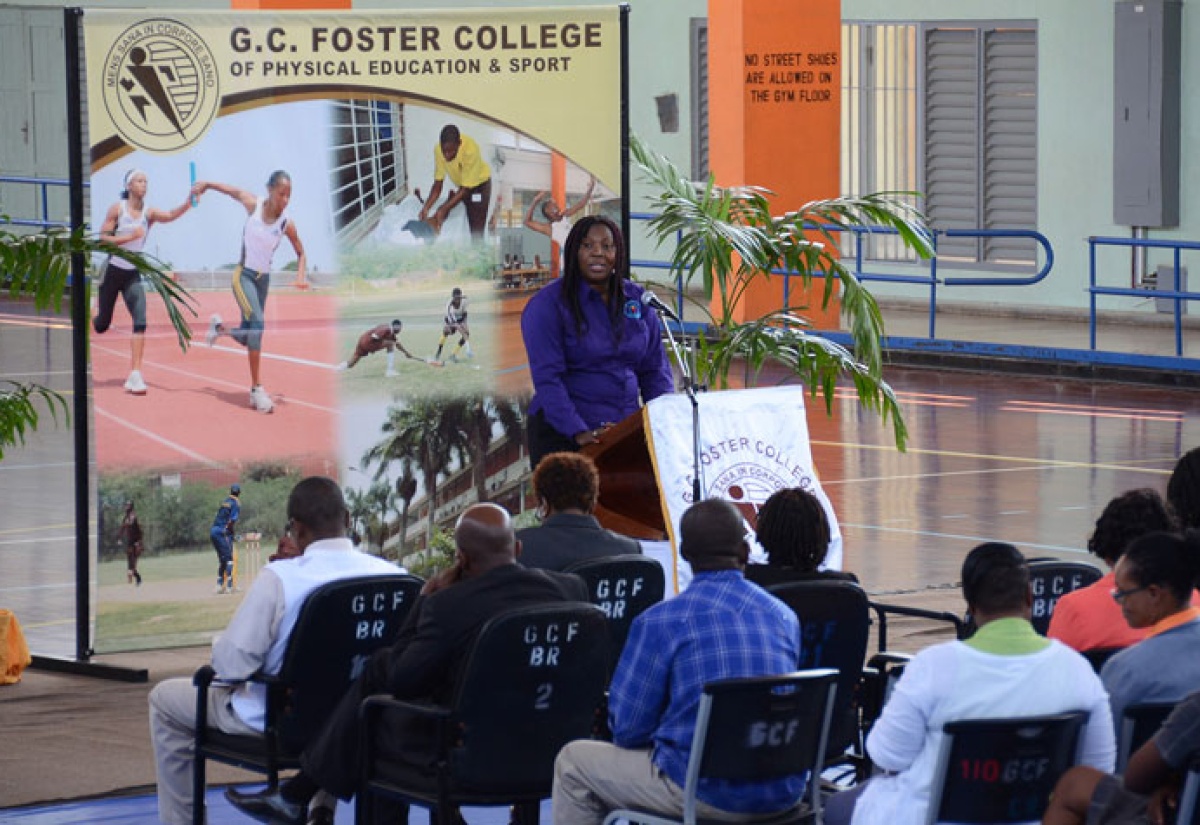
276	5
774	79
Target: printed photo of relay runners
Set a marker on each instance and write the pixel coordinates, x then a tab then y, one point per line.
358	205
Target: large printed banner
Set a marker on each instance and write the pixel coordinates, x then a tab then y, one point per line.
160	83
752	443
356	202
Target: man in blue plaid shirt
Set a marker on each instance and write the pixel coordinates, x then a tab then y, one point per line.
720	627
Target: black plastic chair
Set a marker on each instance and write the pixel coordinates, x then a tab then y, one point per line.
1188	812
1051	580
339	626
623	587
1002	770
1097	656
732	740
1139	723
531	684
834	624
962	628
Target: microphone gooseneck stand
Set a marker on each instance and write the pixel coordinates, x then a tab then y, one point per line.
665	315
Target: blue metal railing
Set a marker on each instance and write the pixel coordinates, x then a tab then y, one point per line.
1176	295
43	185
928	278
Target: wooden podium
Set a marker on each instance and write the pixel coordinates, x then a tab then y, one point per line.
630	500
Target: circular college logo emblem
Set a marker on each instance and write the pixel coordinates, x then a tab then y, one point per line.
747	486
160	85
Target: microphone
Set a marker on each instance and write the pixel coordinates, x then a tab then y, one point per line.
651	300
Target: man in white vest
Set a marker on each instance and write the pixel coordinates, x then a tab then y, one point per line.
255	640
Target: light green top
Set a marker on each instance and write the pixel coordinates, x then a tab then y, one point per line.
1008	637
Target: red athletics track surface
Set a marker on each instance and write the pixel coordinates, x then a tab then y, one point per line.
197	411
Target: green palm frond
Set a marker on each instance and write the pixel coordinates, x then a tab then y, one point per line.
729	238
19	411
37	266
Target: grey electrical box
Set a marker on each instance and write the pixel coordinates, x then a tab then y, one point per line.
1146	113
1165	282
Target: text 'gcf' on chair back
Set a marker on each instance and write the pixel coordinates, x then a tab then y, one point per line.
623	587
531	684
1002	770
1051	580
339	626
756	730
835	621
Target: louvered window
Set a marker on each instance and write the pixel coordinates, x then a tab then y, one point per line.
980	139
948	110
880	120
699	47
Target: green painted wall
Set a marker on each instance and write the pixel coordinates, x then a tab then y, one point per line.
1075	77
1075	136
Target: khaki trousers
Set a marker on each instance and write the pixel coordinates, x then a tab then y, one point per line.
173	731
591	779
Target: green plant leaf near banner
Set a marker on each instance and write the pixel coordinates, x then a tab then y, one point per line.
728	238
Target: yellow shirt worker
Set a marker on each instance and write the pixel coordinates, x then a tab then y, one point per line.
459	157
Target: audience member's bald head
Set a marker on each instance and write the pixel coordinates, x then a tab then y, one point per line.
713	536
484	536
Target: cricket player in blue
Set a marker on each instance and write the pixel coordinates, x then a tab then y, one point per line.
222	537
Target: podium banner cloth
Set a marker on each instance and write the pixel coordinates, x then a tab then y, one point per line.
752	443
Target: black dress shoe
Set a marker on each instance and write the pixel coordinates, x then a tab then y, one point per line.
320	815
267	805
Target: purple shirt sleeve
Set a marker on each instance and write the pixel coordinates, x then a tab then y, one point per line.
544	332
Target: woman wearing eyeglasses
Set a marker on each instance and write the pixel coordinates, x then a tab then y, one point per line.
1154	581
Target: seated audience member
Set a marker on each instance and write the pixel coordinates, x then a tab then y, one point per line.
1006	669
1154	582
794	530
425	661
567	486
1149	792
720	627
1183	490
255	640
1088	618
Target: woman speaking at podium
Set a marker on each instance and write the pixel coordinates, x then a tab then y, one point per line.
593	346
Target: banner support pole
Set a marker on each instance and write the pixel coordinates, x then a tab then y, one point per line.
79	386
624	91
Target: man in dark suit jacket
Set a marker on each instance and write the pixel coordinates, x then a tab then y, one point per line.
427	660
567	486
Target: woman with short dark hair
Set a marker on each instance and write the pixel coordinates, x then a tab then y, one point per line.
567	486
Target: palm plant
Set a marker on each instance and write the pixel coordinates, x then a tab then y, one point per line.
36	266
406	489
729	237
482	413
425	432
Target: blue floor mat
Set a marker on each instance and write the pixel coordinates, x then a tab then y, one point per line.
143	810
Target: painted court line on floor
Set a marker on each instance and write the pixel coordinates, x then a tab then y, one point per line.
1039	463
1050	548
